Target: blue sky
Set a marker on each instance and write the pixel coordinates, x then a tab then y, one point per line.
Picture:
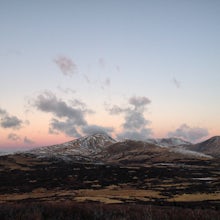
113	51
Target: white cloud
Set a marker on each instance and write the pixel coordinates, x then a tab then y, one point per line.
188	133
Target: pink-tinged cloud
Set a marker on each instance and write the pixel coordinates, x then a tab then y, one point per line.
192	134
14	137
28	141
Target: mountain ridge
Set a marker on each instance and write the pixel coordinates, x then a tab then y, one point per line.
100	147
210	146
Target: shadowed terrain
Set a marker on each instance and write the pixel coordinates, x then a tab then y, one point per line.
129	174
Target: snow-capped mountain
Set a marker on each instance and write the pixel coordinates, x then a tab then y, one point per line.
178	145
168	142
82	147
102	148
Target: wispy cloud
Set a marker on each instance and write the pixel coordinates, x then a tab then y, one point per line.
66	65
86	77
13	137
107	82
176	82
28	141
66	90
188	133
118	68
102	63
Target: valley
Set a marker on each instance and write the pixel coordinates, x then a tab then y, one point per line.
125	174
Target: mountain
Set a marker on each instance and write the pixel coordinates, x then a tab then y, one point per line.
102	148
210	146
79	149
168	142
3	153
139	152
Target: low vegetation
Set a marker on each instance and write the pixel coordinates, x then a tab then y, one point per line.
32	188
85	211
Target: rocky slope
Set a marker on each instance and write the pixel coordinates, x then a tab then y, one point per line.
210	147
79	149
102	148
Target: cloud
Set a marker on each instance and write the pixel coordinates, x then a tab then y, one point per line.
192	134
176	82
135	124
28	141
78	103
115	110
48	102
107	82
69	118
8	121
118	68
2	112
11	122
67	127
135	135
93	129
66	65
66	90
13	137
87	78
134	120
102	63
139	102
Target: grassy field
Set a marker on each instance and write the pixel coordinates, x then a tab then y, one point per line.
109	191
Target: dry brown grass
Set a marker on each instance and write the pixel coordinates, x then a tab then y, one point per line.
195	197
18	162
98	199
108	195
113	195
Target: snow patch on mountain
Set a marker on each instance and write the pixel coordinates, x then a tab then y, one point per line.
82	147
168	142
189	152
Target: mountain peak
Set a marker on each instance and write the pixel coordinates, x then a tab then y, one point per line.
81	147
100	135
210	146
94	142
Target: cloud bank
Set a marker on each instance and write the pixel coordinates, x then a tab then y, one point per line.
192	134
69	119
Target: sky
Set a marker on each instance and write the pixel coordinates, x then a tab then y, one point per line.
131	68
